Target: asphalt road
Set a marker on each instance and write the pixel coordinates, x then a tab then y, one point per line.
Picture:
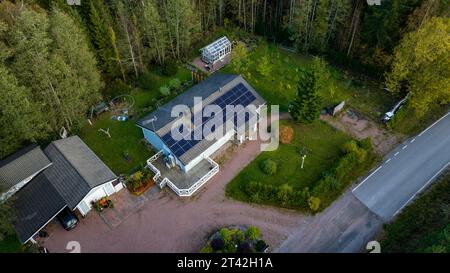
345	226
407	170
355	218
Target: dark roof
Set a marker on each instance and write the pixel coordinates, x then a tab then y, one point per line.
212	90
35	205
21	165
76	169
204	89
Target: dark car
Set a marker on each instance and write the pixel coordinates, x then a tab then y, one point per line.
68	219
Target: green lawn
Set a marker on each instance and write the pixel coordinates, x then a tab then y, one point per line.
126	137
280	87
324	145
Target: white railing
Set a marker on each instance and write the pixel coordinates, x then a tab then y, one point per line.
154	169
199	183
181	192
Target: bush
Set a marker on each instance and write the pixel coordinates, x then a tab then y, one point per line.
252	233
170	68
349	147
366	144
164	90
268	166
314	203
260	246
175	84
286	134
217	244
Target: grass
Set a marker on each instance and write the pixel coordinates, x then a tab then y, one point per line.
10	244
125	137
407	122
279	87
322	141
423	226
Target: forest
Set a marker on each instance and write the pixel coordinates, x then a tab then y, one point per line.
57	60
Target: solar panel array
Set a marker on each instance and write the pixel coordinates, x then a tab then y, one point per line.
218	45
238	95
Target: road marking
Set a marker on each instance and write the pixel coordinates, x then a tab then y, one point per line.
423	187
413	140
396	153
367	178
434	123
404	147
387	161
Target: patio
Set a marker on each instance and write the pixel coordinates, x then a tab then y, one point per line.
183	183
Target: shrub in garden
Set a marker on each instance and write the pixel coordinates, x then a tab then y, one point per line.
268	166
314	203
286	134
164	90
217	244
169	68
349	147
366	144
175	84
252	233
260	245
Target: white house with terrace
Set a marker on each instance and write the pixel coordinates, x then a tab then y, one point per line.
185	164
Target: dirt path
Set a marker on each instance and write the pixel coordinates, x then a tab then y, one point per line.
360	127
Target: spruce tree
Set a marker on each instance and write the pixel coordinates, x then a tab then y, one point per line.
306	106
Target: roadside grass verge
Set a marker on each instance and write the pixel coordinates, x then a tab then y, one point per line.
423	226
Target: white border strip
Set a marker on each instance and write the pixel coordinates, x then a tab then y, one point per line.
367	178
423	187
434	123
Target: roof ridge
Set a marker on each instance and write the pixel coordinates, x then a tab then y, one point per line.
70	163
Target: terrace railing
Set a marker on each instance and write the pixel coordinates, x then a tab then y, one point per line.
181	192
157	176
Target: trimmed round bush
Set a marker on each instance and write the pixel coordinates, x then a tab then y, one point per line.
268	166
164	90
286	134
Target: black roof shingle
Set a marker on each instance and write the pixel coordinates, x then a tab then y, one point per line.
35	205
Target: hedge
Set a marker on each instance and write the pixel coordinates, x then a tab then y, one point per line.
357	156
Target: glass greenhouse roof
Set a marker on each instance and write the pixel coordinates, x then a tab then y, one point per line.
217	45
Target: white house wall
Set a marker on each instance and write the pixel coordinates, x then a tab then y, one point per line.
210	150
86	204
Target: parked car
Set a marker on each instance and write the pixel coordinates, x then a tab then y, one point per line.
390	114
68	219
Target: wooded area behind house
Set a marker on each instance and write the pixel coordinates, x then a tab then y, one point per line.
56	59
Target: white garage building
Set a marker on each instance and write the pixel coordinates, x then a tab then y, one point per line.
66	174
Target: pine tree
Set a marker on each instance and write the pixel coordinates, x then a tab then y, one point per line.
306	106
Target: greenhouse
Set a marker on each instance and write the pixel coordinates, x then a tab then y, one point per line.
216	51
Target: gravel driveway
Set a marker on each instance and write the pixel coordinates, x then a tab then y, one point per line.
168	223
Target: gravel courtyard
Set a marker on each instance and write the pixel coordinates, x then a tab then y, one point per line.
167	223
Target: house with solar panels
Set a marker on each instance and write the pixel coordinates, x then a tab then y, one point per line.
216	51
185	164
